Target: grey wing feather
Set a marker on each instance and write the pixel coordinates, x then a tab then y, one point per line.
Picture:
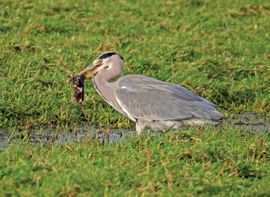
150	99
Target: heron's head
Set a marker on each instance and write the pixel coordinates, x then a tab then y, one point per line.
108	62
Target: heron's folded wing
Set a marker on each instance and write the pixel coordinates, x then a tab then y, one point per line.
151	99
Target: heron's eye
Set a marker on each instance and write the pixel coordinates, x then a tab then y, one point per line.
98	62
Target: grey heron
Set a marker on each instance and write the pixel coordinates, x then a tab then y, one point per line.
147	101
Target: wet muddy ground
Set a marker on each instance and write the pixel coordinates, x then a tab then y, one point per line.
250	122
49	135
255	123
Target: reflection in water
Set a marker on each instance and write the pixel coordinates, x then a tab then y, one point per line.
249	122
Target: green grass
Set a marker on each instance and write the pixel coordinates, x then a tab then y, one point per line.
218	49
189	163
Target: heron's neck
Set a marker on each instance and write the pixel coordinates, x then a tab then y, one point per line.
104	87
107	90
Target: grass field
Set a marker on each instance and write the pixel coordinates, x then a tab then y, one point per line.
193	162
218	49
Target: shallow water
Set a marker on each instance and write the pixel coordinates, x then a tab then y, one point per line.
255	123
250	122
49	136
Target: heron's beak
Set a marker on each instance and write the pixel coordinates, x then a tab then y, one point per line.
85	72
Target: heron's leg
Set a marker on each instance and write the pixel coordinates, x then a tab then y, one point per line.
140	126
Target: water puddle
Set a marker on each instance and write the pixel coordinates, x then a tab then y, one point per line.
254	123
249	122
50	135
